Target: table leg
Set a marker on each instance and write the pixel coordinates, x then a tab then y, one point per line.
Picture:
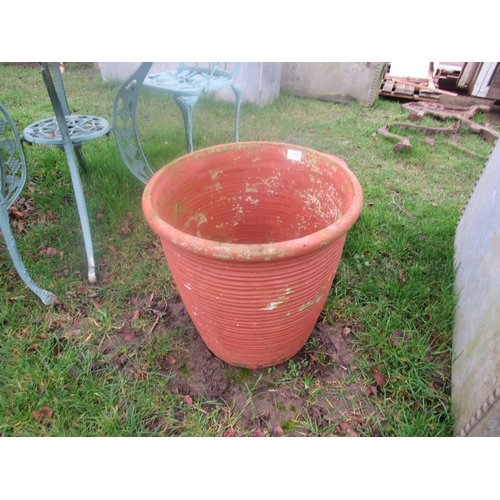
73	168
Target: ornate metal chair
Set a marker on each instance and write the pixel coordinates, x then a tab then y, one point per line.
12	180
69	131
186	84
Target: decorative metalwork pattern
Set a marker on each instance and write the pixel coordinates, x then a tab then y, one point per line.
12	180
81	128
125	125
187	81
12	159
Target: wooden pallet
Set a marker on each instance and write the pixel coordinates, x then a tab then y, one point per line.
408	90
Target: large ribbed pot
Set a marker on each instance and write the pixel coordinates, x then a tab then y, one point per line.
253	233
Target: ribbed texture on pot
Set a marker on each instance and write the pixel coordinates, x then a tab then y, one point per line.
253	234
254	314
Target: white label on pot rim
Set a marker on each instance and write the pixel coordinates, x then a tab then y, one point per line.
294	155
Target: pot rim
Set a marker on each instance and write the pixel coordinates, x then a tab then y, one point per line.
256	251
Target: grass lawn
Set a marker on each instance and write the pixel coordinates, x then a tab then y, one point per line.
116	358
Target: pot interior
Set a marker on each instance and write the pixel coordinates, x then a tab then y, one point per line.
253	194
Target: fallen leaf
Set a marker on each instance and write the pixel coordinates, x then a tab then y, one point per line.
258	433
358	419
187	400
51	252
438	382
169	360
112	249
352	433
344	426
81	289
433	203
379	379
106	277
43	414
397	337
100	216
74	329
125	229
346	331
136	315
278	431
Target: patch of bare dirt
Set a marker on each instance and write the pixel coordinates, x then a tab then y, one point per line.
317	392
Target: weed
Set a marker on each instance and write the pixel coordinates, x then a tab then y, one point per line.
239	375
290	425
294	368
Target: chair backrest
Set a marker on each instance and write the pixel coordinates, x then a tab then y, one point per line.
12	160
125	126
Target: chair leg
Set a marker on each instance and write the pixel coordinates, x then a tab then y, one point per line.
237	95
186	105
46	297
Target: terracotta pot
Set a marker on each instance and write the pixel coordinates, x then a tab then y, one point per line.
253	233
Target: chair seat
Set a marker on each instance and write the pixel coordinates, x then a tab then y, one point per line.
81	128
188	82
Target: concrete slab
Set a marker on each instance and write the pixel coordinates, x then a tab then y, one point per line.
343	82
476	337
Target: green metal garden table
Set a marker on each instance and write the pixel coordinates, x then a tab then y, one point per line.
69	131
